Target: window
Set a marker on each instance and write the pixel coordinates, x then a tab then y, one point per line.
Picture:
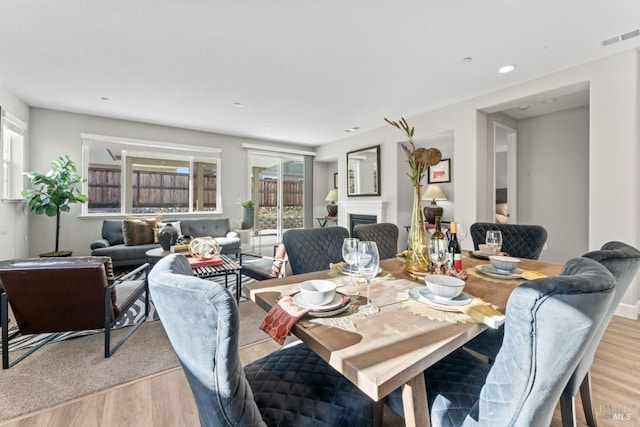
133	176
12	132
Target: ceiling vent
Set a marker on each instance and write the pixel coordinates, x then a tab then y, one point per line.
622	37
630	34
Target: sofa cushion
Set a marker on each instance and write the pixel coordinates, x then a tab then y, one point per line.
205	227
112	231
138	231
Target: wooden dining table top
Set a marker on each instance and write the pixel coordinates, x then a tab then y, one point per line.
392	348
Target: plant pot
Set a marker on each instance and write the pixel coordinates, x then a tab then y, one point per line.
56	254
248	217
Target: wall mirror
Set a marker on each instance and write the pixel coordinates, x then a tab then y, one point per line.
363	174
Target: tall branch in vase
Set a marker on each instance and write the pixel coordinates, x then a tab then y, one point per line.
419	160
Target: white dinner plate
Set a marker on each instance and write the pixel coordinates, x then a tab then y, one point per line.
419	295
334	304
352	271
330	313
490	271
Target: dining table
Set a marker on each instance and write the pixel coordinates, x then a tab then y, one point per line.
392	348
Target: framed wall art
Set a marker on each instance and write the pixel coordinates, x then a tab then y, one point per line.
440	172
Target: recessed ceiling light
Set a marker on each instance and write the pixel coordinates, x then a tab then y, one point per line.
237	104
267	127
549	101
523	108
104	98
506	69
353	129
467	59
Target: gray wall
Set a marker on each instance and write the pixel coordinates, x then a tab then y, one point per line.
54	133
553	180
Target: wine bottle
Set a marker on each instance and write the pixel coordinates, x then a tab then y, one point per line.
437	233
454	248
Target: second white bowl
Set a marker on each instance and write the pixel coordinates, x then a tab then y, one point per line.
444	286
504	263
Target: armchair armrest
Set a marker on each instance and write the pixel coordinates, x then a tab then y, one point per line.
130	274
100	243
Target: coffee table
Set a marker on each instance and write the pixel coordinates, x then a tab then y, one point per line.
227	267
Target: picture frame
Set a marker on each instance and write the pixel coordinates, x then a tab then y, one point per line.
335	180
440	172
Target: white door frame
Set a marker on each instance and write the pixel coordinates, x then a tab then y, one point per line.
512	169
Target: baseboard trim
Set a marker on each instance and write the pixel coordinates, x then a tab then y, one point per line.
629	311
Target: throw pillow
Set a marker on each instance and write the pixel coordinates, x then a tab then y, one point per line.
138	231
277	269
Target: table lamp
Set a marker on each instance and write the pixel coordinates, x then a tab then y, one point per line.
332	197
433	192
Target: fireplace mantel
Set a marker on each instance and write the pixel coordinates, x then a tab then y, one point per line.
360	207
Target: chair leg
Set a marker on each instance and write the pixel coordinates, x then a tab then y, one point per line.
568	410
585	396
378	413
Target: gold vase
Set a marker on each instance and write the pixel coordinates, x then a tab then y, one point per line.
418	252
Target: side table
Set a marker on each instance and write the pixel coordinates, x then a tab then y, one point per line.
323	220
227	267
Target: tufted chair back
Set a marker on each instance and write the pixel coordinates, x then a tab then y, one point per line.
521	241
313	249
622	261
289	387
384	234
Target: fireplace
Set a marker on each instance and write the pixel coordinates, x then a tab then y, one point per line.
356	219
372	210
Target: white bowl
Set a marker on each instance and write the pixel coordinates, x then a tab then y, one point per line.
504	263
318	292
444	286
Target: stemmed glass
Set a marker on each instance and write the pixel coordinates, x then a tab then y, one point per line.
461	231
368	266
438	252
350	256
494	240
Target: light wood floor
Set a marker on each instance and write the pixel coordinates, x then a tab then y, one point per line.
165	399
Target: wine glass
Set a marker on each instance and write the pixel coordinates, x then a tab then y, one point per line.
461	231
350	256
438	252
368	266
494	240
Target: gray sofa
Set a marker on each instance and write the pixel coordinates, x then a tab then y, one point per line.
112	242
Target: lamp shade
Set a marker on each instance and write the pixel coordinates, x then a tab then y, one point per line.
332	196
433	192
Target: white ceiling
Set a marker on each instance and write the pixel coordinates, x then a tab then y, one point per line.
304	70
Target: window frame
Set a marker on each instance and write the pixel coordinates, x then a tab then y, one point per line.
173	151
13	181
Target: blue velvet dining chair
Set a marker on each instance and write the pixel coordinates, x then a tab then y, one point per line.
521	241
549	325
622	261
384	234
289	387
313	249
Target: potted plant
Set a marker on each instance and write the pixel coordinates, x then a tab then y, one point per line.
54	192
249	210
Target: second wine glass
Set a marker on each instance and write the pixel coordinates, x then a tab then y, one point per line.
438	253
368	266
350	256
494	240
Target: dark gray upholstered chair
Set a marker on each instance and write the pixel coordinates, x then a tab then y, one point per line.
290	387
384	234
313	249
622	261
521	241
550	323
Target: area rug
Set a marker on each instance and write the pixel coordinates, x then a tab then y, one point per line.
65	370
